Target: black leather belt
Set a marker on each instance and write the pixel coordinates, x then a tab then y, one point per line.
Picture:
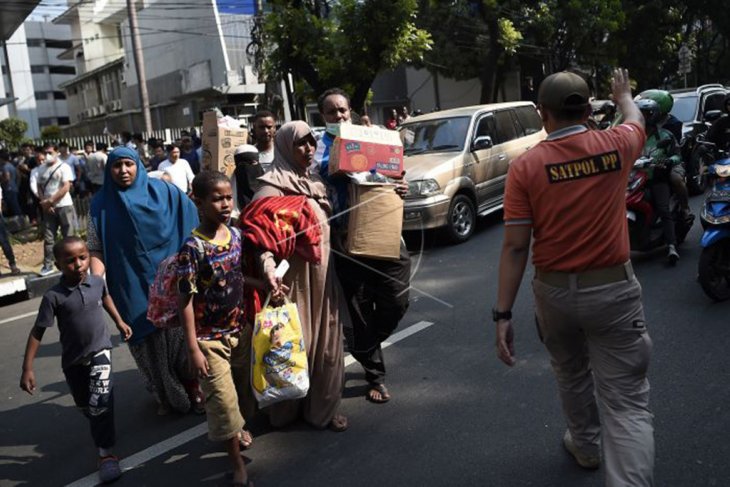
589	278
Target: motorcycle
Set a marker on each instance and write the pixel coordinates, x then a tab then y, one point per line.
645	225
714	265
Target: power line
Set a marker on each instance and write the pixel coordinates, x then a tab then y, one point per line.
153	31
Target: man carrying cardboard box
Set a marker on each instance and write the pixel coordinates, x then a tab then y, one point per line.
376	290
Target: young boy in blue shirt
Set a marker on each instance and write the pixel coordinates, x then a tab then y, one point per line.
76	302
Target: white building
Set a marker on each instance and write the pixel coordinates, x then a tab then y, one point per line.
33	75
194	58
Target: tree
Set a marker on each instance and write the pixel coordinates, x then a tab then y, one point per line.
472	39
343	43
12	131
52	132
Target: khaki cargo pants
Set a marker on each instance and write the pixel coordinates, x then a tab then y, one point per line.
227	388
597	340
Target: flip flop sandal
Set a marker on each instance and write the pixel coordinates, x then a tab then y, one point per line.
385	396
109	469
243	444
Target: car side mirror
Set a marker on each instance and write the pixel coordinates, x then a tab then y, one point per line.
712	115
482	142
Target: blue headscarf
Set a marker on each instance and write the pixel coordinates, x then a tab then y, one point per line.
139	227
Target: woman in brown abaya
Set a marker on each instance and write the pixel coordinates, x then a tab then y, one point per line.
313	285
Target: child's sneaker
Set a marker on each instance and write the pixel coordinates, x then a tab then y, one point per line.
109	469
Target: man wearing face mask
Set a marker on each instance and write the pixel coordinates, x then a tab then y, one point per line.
376	290
51	183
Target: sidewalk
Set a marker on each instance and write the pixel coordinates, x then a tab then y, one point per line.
29	258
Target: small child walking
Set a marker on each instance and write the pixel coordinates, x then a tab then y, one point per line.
76	303
211	314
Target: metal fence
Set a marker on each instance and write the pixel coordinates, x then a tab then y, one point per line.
166	135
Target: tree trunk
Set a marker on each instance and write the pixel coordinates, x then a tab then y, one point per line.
489	70
360	96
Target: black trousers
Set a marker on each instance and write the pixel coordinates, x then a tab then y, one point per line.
91	387
377	297
660	193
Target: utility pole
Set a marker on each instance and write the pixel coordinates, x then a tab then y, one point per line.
139	65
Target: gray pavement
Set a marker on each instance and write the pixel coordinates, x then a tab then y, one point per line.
458	416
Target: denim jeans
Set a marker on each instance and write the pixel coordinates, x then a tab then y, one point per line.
5	243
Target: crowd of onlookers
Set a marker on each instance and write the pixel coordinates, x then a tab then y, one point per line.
36	189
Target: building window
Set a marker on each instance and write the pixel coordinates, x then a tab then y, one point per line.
36	69
44	122
42	95
58	44
60	69
59	95
34	42
5	69
63	121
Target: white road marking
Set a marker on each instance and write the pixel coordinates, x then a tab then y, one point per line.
201	429
19	317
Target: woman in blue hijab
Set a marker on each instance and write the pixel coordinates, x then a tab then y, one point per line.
136	222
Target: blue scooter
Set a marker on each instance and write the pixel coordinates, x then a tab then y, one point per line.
714	266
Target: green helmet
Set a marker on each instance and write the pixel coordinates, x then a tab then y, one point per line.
663	98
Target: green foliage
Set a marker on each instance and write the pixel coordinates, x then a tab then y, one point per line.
472	39
12	131
342	43
509	36
51	132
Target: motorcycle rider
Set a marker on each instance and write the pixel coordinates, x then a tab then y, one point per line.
669	123
659	175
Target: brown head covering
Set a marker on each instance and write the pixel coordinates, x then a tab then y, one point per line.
286	175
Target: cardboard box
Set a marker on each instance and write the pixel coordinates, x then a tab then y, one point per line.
375	221
219	144
361	148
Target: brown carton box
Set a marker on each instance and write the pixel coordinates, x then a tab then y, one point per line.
375	221
359	149
219	144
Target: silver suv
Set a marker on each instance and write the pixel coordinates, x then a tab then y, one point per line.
456	163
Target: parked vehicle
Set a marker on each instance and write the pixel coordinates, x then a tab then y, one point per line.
645	225
691	107
456	163
714	265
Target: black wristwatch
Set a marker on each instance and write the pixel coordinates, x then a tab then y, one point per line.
501	315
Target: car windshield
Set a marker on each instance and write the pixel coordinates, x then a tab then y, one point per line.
685	108
443	134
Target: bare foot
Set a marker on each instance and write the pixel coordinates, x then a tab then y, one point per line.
240	479
339	423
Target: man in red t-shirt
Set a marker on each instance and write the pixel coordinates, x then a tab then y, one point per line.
568	193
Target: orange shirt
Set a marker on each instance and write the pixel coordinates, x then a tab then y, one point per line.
572	191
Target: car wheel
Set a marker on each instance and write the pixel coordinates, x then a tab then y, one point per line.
462	219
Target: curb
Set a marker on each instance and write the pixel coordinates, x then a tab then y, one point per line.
25	288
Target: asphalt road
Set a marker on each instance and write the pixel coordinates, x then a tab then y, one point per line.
458	416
